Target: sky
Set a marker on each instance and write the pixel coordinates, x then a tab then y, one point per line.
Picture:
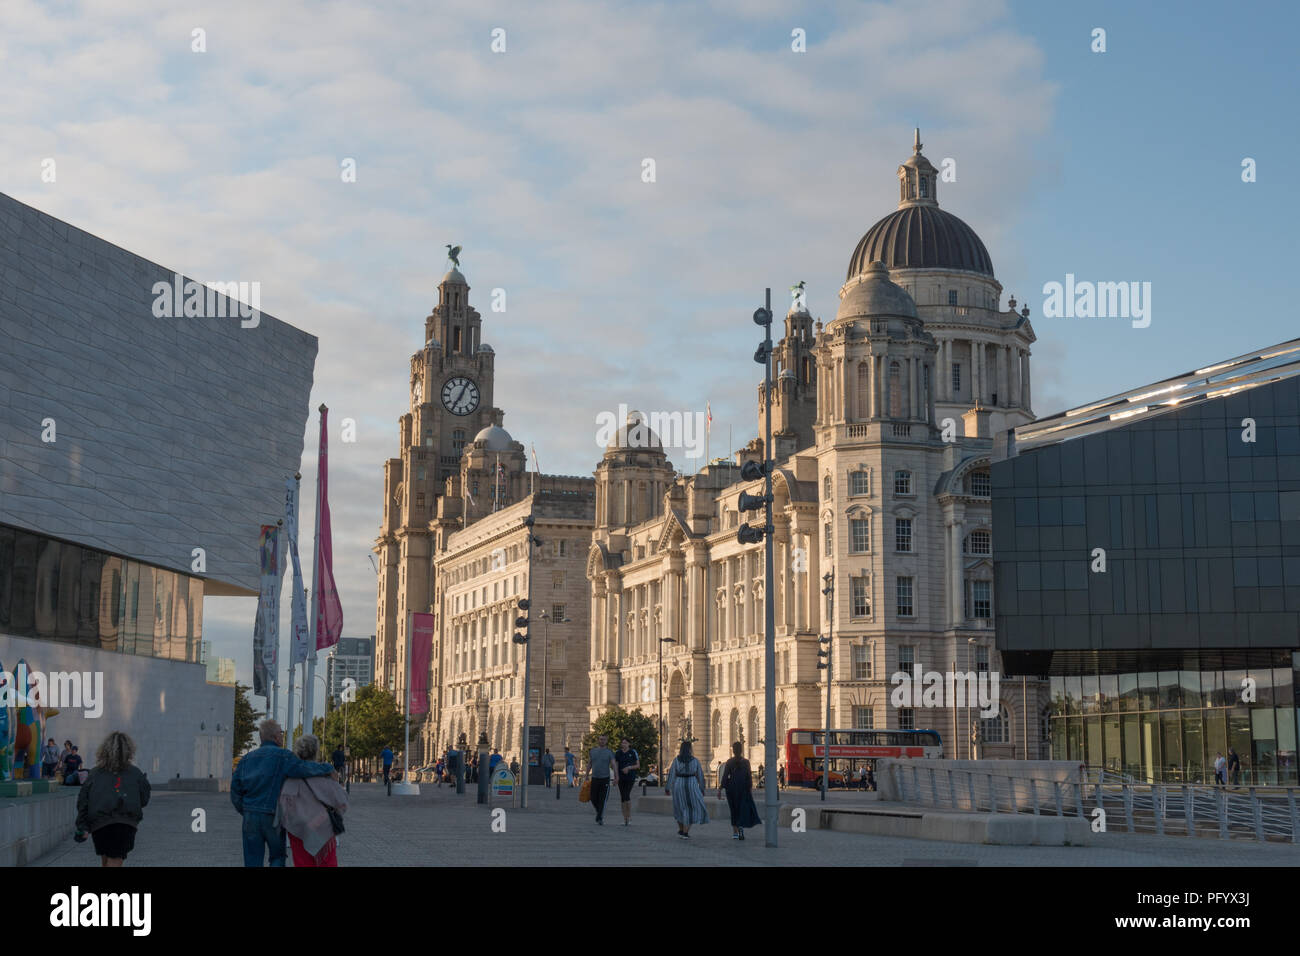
228	163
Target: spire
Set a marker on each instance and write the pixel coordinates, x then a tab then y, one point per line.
916	141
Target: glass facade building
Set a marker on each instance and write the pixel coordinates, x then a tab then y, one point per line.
1147	560
58	591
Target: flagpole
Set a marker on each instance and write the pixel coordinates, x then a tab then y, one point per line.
309	666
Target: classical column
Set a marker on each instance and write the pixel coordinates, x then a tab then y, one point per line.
956	597
843	403
1028	395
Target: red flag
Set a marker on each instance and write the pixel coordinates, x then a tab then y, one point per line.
329	612
421	649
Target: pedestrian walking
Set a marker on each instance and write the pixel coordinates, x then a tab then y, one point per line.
1220	768
387	757
600	761
340	760
685	784
110	807
780	777
495	759
514	767
739	787
255	792
548	766
49	759
570	770
871	779
629	762
311	811
1234	767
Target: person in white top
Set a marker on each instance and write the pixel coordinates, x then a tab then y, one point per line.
1220	768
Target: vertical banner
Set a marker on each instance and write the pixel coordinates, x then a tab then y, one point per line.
265	628
299	645
421	651
329	612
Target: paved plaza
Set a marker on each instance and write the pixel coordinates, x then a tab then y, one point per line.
439	828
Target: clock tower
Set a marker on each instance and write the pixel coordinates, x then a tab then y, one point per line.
450	403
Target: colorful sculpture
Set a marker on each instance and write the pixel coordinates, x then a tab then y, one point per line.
6	734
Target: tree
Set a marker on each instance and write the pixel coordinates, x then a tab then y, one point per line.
245	721
374	722
634	725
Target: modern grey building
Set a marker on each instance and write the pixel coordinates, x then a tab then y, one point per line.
1147	559
352	657
147	425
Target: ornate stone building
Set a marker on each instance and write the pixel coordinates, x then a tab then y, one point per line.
883	425
452	534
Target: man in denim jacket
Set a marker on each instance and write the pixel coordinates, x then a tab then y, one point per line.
255	791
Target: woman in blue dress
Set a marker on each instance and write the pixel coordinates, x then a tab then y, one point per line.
686	784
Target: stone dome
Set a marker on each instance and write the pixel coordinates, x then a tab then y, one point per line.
454	277
497	438
922	237
634	435
874	294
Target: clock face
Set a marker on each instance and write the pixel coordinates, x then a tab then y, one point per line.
460	395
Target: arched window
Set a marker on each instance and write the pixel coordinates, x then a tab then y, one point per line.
895	390
997	730
735	728
753	726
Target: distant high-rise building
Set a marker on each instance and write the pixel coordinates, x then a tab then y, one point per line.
352	657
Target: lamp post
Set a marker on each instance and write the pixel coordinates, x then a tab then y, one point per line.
827	664
746	534
522	638
662	642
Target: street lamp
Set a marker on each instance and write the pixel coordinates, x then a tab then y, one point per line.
662	642
746	534
522	638
826	664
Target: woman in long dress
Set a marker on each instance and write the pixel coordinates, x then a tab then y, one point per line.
686	784
739	785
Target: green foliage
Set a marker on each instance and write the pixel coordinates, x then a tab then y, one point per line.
373	720
245	721
617	723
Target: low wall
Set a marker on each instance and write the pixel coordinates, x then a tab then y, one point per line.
1044	772
32	826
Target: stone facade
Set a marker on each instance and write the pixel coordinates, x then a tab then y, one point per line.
882	430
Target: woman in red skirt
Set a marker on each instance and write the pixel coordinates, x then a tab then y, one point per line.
304	812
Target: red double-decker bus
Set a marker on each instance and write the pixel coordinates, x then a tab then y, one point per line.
850	751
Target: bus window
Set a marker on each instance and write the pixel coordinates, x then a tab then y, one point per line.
801	737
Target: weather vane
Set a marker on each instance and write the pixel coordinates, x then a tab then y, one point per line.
453	253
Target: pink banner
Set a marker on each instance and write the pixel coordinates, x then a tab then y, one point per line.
421	650
329	612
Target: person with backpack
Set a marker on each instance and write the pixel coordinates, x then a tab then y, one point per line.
110	806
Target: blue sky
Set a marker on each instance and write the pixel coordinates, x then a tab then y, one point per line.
1118	166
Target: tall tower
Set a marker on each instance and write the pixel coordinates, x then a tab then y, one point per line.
451	384
794	395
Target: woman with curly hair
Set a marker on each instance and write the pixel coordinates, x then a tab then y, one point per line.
111	803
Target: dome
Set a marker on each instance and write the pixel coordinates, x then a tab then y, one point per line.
454	277
497	438
874	294
922	237
635	434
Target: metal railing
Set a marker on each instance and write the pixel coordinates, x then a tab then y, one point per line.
1259	813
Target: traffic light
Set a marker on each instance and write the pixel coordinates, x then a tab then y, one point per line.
748	534
519	638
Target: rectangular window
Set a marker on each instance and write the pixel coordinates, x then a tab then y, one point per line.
902	482
905	720
557	613
557	652
980	484
982	660
861	593
557	686
979	543
859	483
904	597
982	599
956	377
860	535
952	296
902	534
861	662
864	718
557	580
826	533
906	658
